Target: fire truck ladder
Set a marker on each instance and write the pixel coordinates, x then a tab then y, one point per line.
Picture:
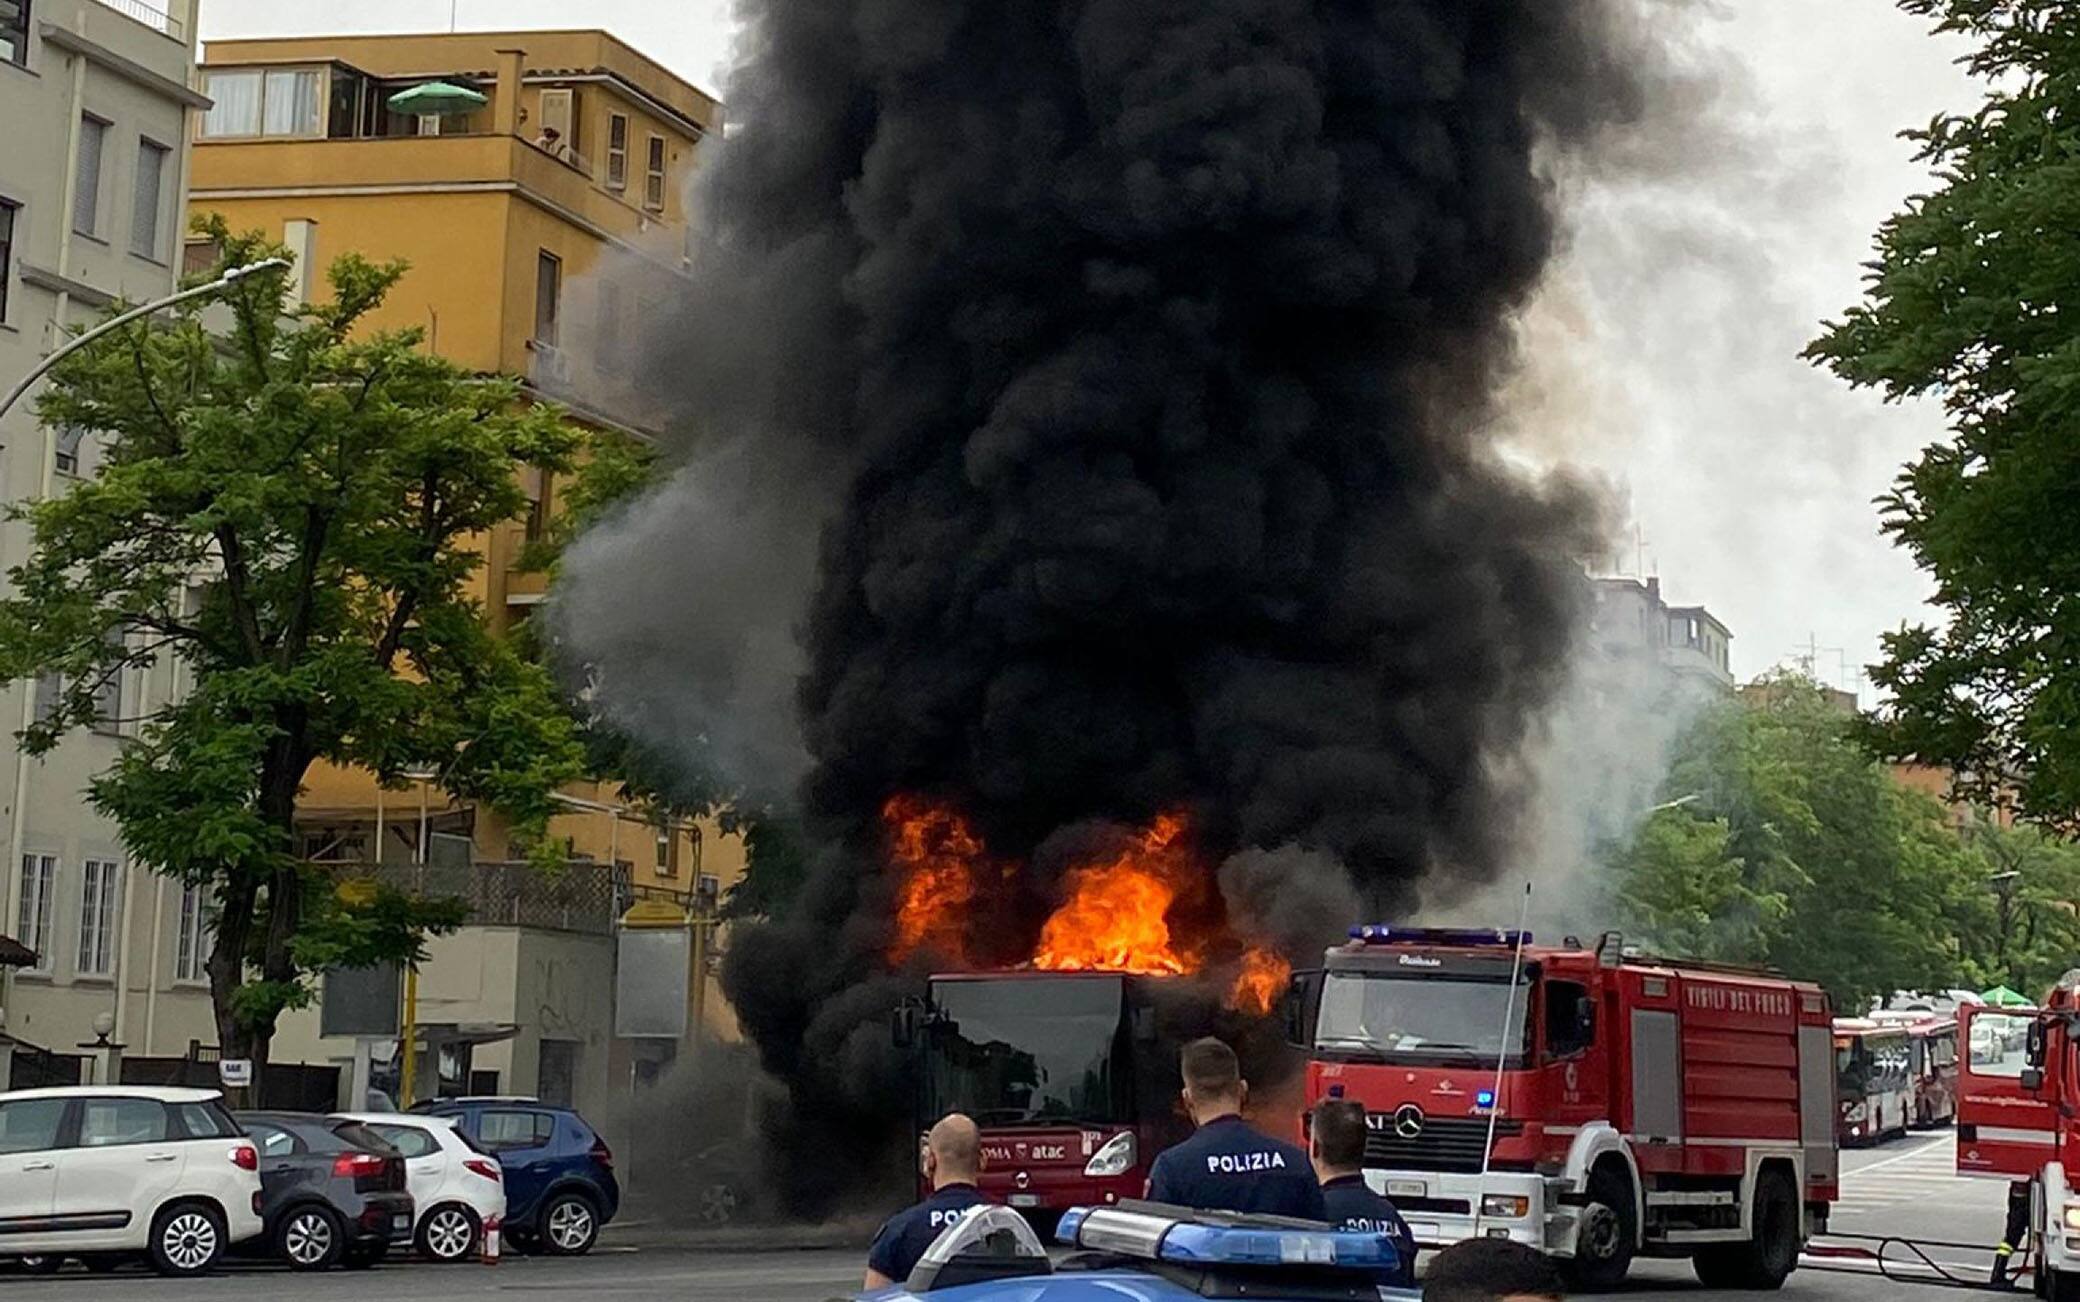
1912	1261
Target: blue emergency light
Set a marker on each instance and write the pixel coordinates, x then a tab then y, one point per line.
1484	1099
1379	933
1180	1241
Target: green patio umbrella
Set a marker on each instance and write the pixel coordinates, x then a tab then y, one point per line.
441	98
2002	997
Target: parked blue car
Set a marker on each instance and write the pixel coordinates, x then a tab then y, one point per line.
1151	1253
559	1174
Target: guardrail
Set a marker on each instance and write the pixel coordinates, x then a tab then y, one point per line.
159	20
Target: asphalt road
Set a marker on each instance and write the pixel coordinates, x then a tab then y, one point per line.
1904	1189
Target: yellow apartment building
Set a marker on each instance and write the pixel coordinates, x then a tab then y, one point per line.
541	207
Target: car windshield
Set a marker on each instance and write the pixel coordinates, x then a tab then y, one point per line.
1028	1050
1431	1020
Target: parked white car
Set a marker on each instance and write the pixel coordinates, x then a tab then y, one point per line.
103	1172
459	1191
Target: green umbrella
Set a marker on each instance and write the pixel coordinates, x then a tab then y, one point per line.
2002	997
437	97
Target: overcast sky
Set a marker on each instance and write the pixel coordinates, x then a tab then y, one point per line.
1664	356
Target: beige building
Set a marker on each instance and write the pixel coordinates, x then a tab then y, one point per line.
99	102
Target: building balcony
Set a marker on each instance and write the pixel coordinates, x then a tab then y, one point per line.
263	166
580	896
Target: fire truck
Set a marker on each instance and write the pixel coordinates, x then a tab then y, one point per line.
2018	1119
1065	1073
1637	1106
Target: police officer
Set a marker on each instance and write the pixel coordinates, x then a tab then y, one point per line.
1227	1166
1337	1145
952	1162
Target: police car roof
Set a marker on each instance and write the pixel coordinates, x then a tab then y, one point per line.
1104	1286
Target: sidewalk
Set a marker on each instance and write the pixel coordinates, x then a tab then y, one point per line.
846	1235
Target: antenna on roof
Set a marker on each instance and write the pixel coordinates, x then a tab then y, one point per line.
1509	1018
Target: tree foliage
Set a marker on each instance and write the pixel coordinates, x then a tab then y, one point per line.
1971	299
1792	847
292	510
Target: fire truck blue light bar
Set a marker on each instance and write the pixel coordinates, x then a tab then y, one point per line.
1379	933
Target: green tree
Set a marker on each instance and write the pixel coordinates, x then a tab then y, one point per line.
1971	299
2022	930
293	510
1791	846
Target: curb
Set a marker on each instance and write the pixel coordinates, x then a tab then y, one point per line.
743	1239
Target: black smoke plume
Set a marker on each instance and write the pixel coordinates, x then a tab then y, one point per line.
1098	388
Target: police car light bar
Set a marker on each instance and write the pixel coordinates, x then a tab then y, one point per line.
1186	1242
1379	933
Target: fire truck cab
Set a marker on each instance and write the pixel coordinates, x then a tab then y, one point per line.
2018	1119
1638	1106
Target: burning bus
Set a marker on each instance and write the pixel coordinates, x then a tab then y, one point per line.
1063	1071
1066	1056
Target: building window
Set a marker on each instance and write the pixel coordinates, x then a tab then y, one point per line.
667	865
108	692
7	212
14	31
100	893
537	484
548	293
256	102
33	924
191	946
708	891
50	693
86	182
617	151
65	441
148	203
653	177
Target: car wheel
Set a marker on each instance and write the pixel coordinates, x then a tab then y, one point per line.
187	1239
310	1238
569	1225
718	1204
448	1234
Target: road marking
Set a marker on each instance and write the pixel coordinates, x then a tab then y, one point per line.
1923	1151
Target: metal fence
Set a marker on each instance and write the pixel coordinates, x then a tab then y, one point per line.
580	896
32	1068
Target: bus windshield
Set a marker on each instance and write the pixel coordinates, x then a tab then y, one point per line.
1867	1063
1431	1021
1029	1050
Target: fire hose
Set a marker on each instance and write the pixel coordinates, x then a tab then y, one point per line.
1911	1255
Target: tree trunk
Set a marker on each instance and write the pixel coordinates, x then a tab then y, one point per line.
281	778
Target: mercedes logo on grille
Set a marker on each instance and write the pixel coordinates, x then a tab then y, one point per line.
1408	1121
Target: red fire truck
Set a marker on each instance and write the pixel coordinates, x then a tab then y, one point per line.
1645	1106
2018	1119
1063	1072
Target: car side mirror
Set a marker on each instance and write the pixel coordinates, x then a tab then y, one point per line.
2032	1079
1293	1010
1585	1019
2033	1044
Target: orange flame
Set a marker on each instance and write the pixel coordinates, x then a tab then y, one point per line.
1261	982
940	858
1115	919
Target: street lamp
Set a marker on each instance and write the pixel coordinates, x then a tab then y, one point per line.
225	281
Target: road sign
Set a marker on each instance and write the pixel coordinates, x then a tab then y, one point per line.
653	955
235	1073
361	1001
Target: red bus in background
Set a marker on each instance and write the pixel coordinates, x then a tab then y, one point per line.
1931	1066
1871	1070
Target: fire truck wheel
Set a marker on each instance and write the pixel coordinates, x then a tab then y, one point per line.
1608	1235
1767	1260
2062	1286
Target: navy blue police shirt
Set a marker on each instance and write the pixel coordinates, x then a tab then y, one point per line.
1353	1206
903	1239
1227	1166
